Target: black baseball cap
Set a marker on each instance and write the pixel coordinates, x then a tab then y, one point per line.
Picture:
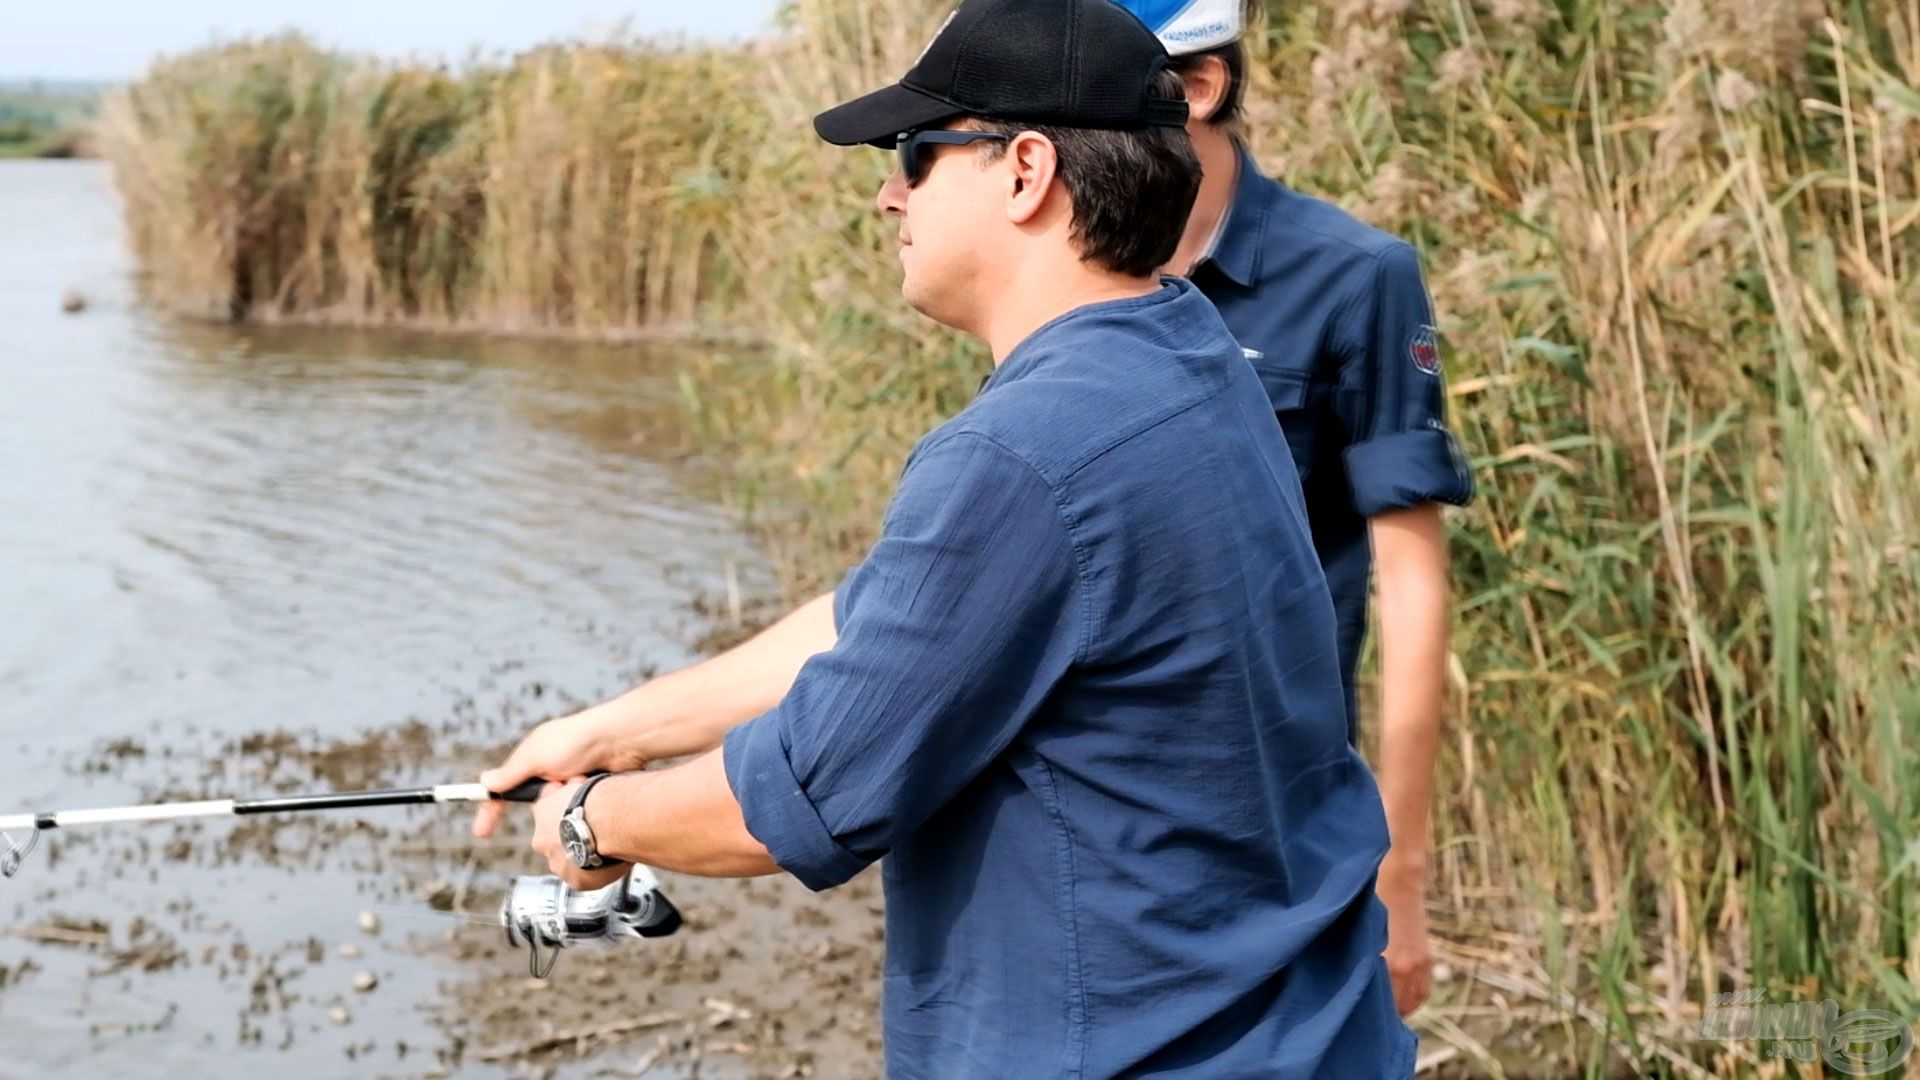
1070	63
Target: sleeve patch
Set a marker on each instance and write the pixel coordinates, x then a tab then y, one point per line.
1424	349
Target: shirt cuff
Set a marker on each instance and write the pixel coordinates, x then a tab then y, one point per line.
777	810
1407	468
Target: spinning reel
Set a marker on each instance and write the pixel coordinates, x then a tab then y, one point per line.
544	913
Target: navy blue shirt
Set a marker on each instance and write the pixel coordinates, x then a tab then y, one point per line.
1085	699
1334	316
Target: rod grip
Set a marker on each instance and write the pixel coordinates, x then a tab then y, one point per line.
525	791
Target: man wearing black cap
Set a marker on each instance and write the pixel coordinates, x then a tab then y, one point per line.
1084	692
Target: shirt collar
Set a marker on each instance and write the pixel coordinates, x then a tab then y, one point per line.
1241	236
1171	290
1219	229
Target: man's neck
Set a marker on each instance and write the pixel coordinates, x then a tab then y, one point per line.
1046	288
1219	173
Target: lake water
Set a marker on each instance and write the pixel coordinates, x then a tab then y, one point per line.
235	557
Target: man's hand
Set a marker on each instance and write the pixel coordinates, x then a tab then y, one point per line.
560	750
546	841
1409	944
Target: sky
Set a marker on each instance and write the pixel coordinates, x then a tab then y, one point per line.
113	40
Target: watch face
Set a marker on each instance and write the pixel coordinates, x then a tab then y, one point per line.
576	846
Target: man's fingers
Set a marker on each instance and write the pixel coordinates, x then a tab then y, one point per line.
486	819
1410	991
503	777
509	774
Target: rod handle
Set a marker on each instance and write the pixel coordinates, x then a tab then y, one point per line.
525	791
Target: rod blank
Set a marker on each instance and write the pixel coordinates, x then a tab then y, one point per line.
334	800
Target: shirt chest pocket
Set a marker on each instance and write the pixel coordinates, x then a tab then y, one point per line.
1291	393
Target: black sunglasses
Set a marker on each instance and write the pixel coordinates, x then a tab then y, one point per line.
915	160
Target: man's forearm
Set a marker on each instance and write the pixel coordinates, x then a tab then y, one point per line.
691	710
1409	745
684	819
1413	657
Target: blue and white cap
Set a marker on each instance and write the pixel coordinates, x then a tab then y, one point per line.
1189	26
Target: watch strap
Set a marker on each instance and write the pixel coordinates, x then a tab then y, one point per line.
580	794
578	805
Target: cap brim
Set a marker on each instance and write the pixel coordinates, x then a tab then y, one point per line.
878	118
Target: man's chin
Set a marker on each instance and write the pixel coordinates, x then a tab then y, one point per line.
924	305
933	301
916	298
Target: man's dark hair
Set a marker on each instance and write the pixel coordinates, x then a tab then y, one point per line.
1131	190
1234	55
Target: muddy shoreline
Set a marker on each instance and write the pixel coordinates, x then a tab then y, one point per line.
407	973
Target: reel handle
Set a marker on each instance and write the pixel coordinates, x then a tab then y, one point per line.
524	792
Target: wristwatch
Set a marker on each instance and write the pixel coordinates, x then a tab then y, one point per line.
576	836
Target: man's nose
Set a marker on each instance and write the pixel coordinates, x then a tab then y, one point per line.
892	198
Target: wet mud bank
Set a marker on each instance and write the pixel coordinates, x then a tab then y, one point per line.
357	942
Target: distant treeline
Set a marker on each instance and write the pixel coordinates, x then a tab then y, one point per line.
45	119
1675	252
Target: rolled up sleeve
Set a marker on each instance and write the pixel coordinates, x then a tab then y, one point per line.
1407	468
952	633
1393	400
778	812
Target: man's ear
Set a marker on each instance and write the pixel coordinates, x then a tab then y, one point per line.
1033	163
1206	87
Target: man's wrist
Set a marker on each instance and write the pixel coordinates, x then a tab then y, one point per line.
603	816
580	834
646	735
626	729
1404	868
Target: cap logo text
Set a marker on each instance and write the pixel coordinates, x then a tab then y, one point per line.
935	37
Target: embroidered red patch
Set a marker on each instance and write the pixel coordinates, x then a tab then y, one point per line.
1425	350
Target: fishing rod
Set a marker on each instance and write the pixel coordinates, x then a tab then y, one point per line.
282	804
538	912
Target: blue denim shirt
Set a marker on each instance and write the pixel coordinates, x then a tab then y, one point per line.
1085	699
1335	318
